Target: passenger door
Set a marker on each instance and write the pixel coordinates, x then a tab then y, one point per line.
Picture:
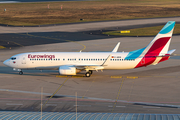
24	60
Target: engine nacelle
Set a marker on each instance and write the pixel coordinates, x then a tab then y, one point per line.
67	70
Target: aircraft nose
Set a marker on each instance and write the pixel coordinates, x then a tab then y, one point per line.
6	62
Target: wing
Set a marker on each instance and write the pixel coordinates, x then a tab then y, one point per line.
94	67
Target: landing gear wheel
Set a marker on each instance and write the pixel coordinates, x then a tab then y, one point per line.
90	71
88	74
20	72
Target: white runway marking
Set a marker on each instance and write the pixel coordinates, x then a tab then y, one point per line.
84	105
120	106
51	104
5	101
150	107
13	104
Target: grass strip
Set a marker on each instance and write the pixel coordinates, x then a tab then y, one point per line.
27	14
2	47
147	31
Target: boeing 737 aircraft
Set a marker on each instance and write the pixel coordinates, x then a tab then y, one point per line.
70	63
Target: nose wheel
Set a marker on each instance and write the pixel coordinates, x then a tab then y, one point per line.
20	72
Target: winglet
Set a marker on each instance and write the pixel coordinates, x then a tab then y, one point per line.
116	48
107	60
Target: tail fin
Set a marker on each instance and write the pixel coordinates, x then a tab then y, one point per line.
157	47
160	44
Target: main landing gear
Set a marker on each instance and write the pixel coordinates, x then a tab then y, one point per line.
88	74
20	72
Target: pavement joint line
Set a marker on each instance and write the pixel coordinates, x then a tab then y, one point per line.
88	89
57	39
130	94
118	95
55	92
14	43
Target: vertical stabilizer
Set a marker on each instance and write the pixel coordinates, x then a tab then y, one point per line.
160	44
157	47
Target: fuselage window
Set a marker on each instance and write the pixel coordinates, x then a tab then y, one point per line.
30	59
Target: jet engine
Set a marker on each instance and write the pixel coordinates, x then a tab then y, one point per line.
67	70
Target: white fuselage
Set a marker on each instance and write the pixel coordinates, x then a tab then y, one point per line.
53	60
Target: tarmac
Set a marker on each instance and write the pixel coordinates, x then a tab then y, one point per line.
152	89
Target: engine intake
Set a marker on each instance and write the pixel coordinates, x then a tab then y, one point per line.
67	70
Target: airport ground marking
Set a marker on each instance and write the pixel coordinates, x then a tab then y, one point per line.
61	76
14	43
118	94
88	89
57	39
129	77
116	76
55	92
77	76
2	47
132	86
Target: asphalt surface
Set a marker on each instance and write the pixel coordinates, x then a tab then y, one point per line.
10	40
152	89
17	1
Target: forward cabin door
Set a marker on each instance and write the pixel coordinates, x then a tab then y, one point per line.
24	60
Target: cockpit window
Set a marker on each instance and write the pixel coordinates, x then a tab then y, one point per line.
13	58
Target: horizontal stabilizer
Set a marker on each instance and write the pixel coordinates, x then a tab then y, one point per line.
171	51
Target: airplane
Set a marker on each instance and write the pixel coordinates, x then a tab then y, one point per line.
71	63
